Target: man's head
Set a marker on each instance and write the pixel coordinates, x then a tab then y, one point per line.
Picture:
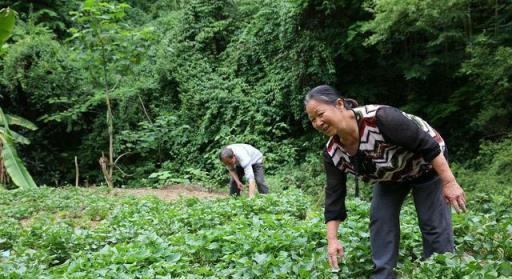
227	156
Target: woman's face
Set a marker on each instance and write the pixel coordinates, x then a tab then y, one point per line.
325	118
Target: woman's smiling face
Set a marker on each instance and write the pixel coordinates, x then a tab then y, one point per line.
325	118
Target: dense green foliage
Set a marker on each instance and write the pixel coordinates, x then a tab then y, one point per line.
84	233
186	77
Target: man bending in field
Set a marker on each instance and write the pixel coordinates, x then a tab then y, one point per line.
244	160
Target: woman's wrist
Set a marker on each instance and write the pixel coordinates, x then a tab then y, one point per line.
332	235
447	180
331	239
332	230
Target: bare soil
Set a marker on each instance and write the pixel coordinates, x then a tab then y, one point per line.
171	193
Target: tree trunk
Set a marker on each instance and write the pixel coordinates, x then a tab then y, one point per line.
77	173
110	167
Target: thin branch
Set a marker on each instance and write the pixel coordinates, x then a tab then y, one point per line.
124	173
494	135
122	156
115	85
144	109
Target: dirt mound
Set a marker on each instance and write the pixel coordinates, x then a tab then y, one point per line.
171	193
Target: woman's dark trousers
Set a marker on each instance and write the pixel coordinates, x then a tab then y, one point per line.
434	218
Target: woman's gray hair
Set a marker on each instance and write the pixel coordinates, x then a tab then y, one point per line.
328	95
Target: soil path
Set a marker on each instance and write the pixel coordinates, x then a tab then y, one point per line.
173	192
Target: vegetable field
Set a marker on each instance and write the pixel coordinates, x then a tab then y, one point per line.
84	233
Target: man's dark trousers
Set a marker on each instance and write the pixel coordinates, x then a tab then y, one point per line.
258	176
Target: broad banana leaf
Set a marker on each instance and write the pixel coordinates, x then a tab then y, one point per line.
13	164
15	136
19	121
7	17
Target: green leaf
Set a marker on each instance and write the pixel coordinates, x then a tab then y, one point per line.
15	136
505	268
260	258
88	4
19	121
13	164
7	18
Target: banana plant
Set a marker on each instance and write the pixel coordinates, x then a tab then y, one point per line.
9	157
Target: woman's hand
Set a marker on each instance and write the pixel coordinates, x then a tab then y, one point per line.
452	192
334	249
454	195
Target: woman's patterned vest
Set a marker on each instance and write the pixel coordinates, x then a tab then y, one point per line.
378	160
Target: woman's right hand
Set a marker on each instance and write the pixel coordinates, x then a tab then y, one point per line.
334	249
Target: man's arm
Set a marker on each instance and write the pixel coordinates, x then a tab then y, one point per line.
252	187
234	175
249	174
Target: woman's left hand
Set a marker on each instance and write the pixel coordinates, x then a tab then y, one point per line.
454	195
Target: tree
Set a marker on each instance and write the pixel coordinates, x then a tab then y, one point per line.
109	44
